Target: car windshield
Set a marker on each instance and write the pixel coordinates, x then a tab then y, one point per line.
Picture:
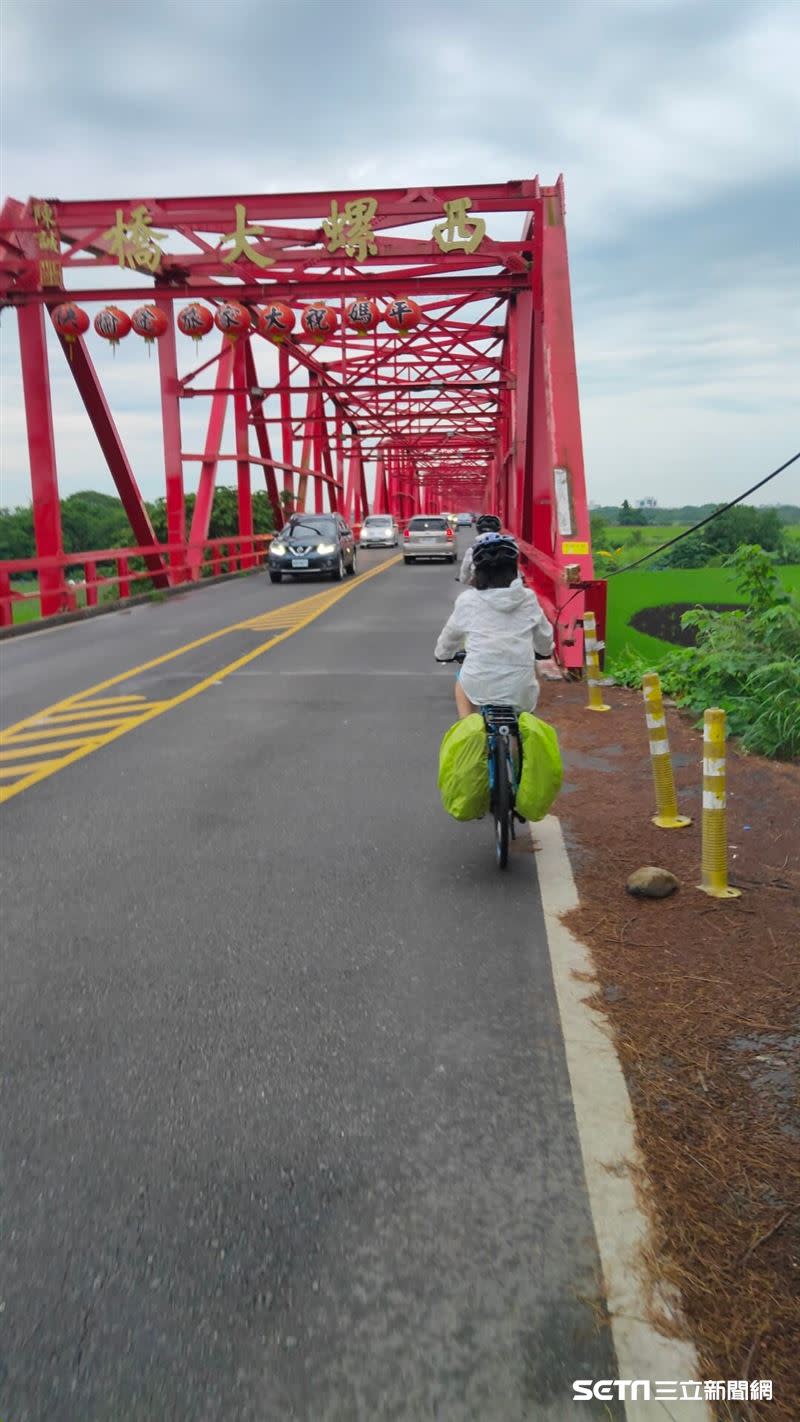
380	521
311	528
432	525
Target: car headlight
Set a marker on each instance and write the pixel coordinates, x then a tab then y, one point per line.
279	548
326	547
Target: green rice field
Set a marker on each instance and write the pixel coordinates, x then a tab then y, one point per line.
628	593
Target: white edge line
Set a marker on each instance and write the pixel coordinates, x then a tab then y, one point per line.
607	1139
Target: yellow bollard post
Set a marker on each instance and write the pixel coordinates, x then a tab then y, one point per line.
715	835
591	649
666	816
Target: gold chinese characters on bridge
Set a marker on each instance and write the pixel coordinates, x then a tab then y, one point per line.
352	228
241	246
459	233
48	242
135	243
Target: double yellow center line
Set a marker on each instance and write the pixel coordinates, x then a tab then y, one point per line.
46	742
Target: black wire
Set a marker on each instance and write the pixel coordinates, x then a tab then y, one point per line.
721	510
703	521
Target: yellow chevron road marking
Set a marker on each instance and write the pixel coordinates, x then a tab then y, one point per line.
8	770
70	723
86	711
130	703
18	752
68	714
23	736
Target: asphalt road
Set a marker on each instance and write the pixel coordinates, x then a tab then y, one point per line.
287	1126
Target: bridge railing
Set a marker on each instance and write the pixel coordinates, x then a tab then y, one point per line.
565	598
124	572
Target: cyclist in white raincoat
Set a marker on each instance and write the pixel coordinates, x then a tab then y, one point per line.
501	626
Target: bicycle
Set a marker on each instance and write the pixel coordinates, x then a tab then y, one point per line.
503	749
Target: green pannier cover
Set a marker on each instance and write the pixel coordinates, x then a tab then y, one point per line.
464	770
542	771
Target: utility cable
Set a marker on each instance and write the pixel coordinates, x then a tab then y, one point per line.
703	521
701	524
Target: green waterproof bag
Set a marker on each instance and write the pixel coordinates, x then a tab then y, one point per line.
542	770
464	770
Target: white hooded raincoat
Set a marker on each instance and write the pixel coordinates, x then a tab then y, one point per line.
500	628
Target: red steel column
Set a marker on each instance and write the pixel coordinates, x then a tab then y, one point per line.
245	494
522	485
324	463
380	496
262	436
320	443
42	453
287	433
208	469
341	474
171	425
565	420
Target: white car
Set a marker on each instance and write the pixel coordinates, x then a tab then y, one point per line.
379	531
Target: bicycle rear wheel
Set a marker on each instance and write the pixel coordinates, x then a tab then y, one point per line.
502	805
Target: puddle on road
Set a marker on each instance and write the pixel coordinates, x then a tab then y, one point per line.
597	760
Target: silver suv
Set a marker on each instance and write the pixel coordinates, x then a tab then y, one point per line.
429	536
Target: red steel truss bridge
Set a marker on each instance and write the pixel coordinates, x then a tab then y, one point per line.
403	350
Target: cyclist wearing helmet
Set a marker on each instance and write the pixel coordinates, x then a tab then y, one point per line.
501	625
486	523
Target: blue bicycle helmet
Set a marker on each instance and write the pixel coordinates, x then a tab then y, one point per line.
493	548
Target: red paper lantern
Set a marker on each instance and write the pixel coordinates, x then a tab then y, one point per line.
149	322
319	322
70	321
112	324
276	321
402	315
195	320
232	319
362	314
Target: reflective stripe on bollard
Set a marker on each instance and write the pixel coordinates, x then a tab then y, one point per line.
591	649
715	830
666	816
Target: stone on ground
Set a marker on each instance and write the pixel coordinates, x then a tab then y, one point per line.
650	882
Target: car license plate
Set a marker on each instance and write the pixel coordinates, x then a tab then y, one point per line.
299	562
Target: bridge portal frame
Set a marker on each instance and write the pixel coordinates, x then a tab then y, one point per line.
475	406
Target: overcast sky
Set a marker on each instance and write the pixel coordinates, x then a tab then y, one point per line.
676	124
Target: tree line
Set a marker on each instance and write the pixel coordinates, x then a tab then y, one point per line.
742	526
92	520
630	516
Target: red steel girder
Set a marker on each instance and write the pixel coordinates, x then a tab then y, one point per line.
400	206
310	288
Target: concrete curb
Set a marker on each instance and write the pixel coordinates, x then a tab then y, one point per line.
606	1132
63	619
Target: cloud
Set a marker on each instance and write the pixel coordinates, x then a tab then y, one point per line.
675	124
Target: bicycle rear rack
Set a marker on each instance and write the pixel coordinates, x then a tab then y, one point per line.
499	718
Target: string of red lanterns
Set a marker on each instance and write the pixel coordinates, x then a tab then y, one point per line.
276	321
